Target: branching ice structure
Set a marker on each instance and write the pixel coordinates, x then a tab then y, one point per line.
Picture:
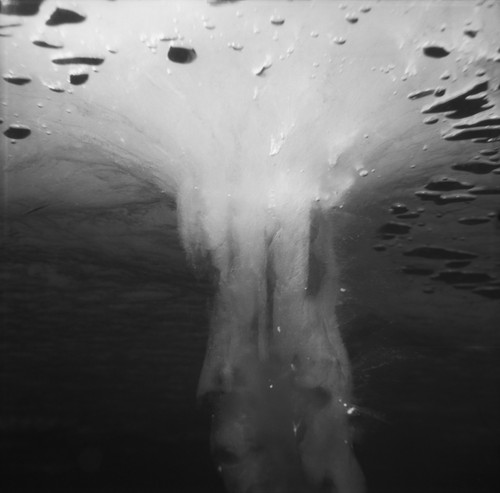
259	118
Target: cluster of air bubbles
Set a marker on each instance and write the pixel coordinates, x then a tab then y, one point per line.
388	68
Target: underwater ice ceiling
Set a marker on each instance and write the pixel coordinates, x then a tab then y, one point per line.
285	136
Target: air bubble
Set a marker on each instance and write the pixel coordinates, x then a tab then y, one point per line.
420	94
476	167
181	54
78	60
314	34
277	20
235	46
261	70
352	18
164	37
78	78
488	152
398	208
17	131
445	184
445	75
435	51
64	16
472	33
363	172
339	40
472	221
433	252
18	80
394	228
45	44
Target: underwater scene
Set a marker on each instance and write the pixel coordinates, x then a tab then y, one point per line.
250	246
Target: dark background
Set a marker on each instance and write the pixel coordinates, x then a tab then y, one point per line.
102	342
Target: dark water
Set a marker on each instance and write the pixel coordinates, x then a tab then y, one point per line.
101	354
